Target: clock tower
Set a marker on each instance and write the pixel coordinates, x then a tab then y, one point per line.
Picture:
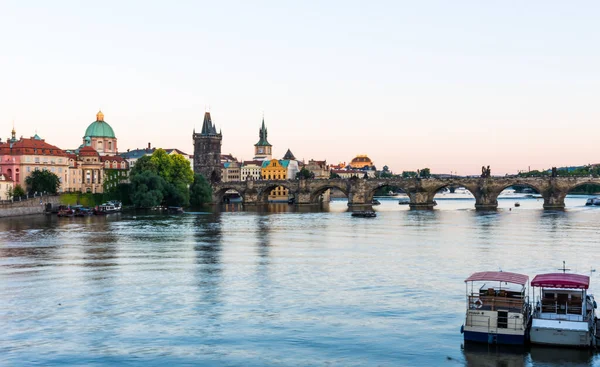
262	149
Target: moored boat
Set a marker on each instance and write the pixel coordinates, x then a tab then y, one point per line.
108	208
364	214
564	312
498	310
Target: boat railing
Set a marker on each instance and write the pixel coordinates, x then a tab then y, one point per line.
495	303
554	310
484	321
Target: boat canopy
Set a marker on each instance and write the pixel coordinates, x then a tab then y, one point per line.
499	276
561	280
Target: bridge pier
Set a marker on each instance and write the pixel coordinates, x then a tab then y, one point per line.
421	200
555	201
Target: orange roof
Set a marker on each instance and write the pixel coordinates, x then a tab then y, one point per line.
31	146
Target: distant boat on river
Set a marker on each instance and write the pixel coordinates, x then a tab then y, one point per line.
592	201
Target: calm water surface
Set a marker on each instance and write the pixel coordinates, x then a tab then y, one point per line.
276	287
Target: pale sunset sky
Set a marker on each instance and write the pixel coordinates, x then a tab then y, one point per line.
450	85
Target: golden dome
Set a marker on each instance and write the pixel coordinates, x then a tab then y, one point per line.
99	116
360	161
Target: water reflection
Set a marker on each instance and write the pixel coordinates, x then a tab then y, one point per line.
548	356
477	354
484	355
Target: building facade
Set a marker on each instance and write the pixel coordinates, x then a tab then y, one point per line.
6	187
319	169
207	150
276	170
20	157
250	170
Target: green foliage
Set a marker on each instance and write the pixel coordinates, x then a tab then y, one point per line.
147	189
86	199
409	174
42	181
112	178
200	191
18	191
425	173
305	174
333	175
181	171
175	176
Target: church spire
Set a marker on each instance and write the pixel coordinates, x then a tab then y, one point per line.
262	135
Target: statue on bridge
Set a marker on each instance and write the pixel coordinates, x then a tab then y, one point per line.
486	172
554	172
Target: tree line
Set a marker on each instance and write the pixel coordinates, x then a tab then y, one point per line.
159	179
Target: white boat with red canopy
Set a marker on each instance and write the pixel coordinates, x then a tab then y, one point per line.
498	310
564	313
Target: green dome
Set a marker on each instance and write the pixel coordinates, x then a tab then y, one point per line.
99	128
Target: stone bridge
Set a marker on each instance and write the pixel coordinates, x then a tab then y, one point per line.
421	191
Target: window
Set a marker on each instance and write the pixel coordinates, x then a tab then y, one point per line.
28	169
59	169
37	159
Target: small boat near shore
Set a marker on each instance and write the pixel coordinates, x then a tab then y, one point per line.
564	313
364	214
498	310
108	208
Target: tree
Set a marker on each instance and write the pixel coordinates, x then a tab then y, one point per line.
175	172
42	181
18	191
304	174
200	191
425	173
333	175
409	174
147	189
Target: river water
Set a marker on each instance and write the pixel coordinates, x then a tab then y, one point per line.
278	286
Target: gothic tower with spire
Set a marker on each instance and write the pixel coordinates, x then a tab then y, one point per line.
207	150
262	149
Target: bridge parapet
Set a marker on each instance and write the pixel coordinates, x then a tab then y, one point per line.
421	191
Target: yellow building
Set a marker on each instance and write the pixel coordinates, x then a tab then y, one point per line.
276	170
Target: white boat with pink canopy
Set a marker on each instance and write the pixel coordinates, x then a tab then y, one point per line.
498	310
564	313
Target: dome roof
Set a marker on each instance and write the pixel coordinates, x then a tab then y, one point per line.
361	159
99	128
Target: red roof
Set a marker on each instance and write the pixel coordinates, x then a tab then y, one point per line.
561	280
31	146
111	158
498	276
87	150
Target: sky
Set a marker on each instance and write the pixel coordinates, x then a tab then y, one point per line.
449	85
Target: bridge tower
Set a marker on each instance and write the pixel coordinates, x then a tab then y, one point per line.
207	150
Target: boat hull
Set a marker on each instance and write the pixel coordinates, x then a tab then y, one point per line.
577	338
490	338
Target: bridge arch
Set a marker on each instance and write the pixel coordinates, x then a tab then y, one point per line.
573	186
316	193
394	184
219	193
264	192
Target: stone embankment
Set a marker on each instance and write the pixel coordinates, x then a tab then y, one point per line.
35	205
